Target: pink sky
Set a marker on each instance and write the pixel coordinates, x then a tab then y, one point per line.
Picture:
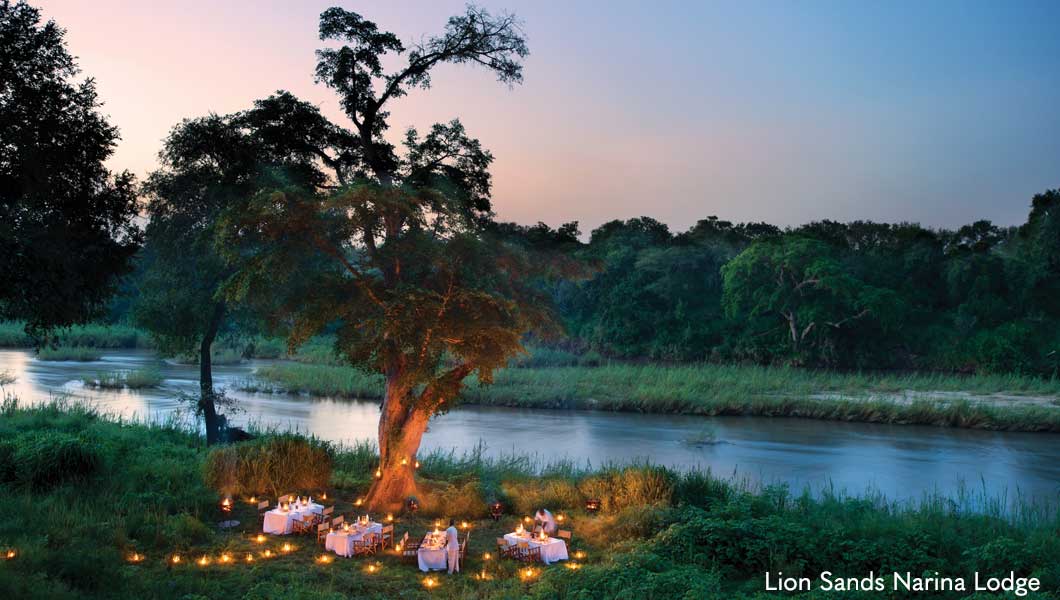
731	111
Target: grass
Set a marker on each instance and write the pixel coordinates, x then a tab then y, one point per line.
136	379
92	335
73	353
120	490
721	390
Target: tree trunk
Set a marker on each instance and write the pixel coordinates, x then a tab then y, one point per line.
401	428
206	396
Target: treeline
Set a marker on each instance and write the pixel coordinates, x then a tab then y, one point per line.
826	294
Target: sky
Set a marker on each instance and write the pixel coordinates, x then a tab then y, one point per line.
940	112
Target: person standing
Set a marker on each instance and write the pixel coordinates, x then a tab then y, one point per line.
452	547
547	521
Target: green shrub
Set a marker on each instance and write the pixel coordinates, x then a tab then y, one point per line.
77	353
270	465
48	458
184	530
632	486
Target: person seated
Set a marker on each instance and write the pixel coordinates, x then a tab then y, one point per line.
547	521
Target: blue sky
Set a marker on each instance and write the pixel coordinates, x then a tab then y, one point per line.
936	112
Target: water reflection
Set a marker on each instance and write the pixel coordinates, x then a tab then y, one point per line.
900	461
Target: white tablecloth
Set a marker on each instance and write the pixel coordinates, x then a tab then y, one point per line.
552	549
280	522
432	552
341	542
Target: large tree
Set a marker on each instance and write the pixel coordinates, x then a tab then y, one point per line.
211	166
418	287
67	229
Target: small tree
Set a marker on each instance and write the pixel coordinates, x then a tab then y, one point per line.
417	286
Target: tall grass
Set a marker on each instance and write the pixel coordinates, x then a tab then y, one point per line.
136	379
92	335
137	487
71	353
727	390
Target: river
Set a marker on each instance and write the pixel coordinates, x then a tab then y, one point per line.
900	462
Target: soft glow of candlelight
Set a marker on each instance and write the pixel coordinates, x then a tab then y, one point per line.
572	566
527	520
324	496
226	558
286	547
359	502
527	573
136	557
559	518
267	554
397	548
176	559
486	556
10	554
389	517
429	582
378	473
404	461
579	555
260	539
203	561
323	559
373	568
464	525
250	557
417	465
226	505
253	499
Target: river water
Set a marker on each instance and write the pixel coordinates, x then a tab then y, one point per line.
900	462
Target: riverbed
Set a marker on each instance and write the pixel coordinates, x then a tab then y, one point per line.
900	462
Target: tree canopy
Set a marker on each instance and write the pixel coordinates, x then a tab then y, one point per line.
67	224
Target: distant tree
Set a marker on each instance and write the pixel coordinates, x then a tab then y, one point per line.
418	286
67	229
802	283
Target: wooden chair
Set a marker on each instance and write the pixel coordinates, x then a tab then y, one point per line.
526	553
285	498
565	535
322	532
409	549
366	545
326	514
386	538
302	525
463	547
337	521
504	549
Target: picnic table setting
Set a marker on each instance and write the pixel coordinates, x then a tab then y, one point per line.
551	549
343	540
431	554
281	520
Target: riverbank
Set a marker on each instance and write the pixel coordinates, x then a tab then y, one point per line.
994	402
118	490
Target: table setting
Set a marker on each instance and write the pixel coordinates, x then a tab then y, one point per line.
280	520
432	553
340	541
552	549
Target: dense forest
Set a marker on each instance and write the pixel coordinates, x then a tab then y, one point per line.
826	294
863	295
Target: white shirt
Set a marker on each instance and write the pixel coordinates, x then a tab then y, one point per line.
452	538
548	522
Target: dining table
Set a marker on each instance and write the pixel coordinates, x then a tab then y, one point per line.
431	554
552	549
340	541
280	520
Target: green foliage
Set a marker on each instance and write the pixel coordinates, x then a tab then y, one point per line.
670	534
134	380
273	464
45	459
75	353
68	227
90	335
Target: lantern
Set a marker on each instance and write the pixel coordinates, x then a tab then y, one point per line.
286	547
417	465
226	505
358	502
267	554
592	505
378	473
389	517
413	505
404	461
226	558
136	557
429	582
250	557
176	559
323	559
464	525
202	562
260	539
560	518
496	510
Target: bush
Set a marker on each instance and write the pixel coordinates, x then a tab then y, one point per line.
270	465
632	486
184	530
48	458
78	353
